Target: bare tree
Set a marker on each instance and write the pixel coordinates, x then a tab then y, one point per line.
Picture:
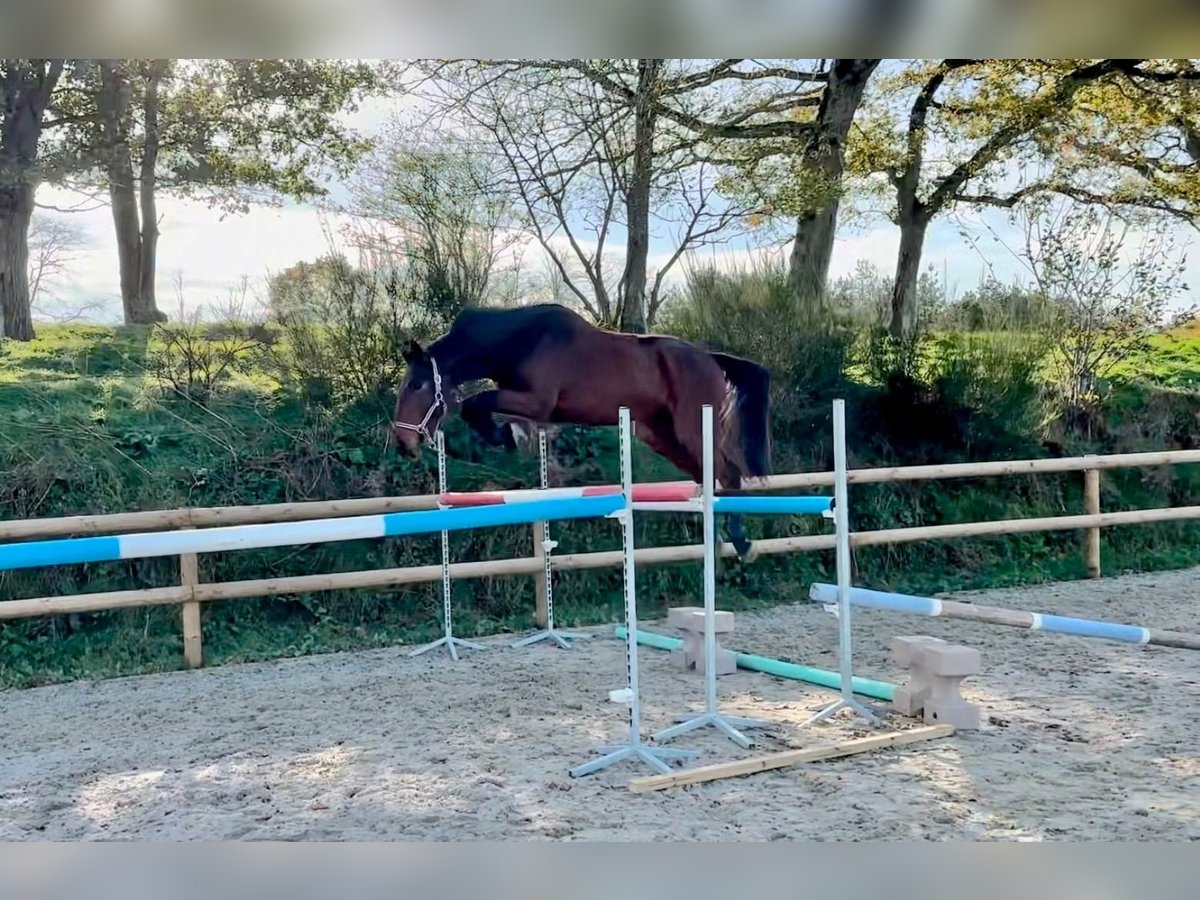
54	244
782	126
1112	278
434	205
589	156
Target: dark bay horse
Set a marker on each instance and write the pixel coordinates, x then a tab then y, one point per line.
551	366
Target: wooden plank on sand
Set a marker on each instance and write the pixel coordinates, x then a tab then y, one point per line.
788	758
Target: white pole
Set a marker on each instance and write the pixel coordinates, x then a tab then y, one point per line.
549	633
633	746
448	640
841	518
710	569
711	715
841	521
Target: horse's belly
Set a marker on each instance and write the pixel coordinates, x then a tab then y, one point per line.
601	406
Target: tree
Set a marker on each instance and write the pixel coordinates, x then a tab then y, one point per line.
26	87
637	196
228	131
782	128
53	245
981	114
1133	140
1111	287
433	205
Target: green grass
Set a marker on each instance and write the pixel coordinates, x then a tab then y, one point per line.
86	427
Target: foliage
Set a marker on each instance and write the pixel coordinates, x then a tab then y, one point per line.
346	335
864	296
194	362
1113	296
997	306
229	131
437	211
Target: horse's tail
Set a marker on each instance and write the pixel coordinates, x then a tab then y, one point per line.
752	387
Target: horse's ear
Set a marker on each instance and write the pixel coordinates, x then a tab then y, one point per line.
413	352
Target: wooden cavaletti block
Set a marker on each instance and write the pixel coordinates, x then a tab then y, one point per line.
937	670
690	620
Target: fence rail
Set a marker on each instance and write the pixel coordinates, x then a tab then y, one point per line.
191	592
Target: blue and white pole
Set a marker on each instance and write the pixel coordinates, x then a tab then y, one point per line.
70	551
1014	618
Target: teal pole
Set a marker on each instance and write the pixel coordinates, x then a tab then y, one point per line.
880	690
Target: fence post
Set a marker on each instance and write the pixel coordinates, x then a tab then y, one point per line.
541	615
189	576
1091	506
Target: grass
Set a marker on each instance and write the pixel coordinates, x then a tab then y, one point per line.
86	426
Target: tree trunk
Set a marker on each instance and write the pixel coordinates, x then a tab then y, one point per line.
26	86
139	307
913	225
812	248
637	200
16	212
148	262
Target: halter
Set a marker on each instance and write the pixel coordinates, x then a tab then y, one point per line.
438	402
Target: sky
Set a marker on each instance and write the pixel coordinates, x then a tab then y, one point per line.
206	257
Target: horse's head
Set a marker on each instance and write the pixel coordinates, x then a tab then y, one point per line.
420	400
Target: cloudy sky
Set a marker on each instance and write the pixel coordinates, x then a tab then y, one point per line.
204	255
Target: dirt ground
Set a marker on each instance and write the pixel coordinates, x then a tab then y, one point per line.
1084	740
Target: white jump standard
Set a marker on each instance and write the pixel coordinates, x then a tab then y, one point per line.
634	748
447	640
549	633
727	725
841	519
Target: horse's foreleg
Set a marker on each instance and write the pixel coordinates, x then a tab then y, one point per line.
477	412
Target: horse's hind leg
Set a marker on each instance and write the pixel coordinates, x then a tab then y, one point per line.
690	436
659	437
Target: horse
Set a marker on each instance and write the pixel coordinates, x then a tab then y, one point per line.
552	366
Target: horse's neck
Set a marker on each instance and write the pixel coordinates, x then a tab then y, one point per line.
460	360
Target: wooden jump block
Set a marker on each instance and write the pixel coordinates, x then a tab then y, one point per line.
933	691
909	700
690	620
947	666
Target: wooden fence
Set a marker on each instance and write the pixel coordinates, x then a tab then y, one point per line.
190	593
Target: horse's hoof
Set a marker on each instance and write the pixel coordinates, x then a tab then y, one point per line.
518	435
745	549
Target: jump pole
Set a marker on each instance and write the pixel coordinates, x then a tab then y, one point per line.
225	538
448	640
727	725
549	633
655	757
1015	618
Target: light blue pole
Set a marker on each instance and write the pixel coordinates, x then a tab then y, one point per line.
868	687
773	506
